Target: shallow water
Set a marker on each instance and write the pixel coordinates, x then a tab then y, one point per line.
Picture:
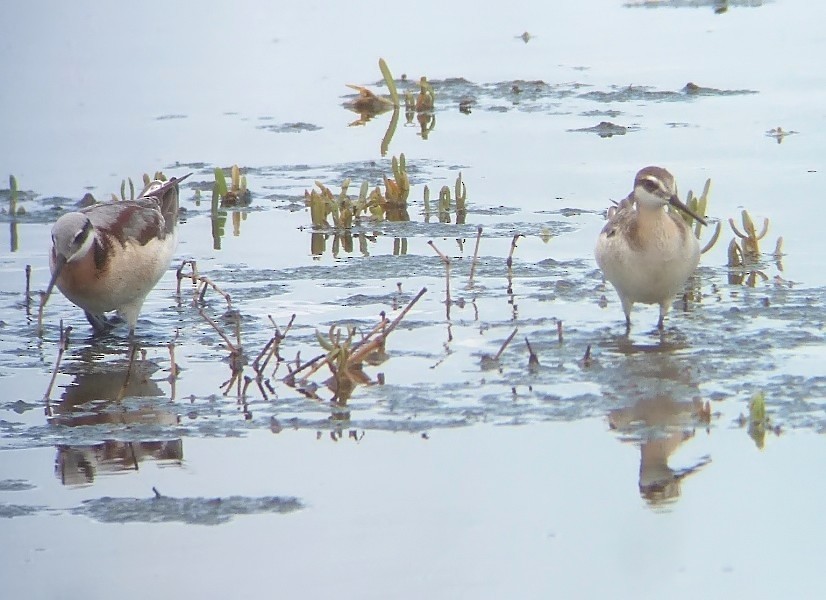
446	473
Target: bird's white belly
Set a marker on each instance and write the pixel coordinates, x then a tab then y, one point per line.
649	275
132	271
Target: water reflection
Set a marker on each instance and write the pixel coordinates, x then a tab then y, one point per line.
366	105
665	343
94	398
426	121
219	221
345	240
660	425
79	465
13	243
719	6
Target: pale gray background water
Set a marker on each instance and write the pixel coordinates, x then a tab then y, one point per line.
523	494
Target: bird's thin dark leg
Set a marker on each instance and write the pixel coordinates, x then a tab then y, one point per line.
98	323
102	324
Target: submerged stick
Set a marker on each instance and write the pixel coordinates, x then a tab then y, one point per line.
358	352
61	348
40	313
533	359
28	289
586	360
509	263
446	261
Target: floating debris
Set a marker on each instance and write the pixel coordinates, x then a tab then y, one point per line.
779	134
192	511
606	129
297	127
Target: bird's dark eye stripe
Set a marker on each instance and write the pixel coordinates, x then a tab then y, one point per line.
650	185
83	233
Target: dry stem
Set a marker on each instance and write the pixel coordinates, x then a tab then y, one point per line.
61	349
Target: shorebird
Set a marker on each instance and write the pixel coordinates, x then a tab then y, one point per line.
109	256
645	251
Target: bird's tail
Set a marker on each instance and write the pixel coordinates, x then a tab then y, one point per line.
166	193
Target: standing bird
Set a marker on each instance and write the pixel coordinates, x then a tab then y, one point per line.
109	256
645	251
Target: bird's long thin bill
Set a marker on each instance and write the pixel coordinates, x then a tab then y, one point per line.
59	263
677	203
161	190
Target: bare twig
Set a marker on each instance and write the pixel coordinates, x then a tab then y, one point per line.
404	311
228	383
505	344
218	329
380	326
61	349
362	348
289	379
271	347
264	350
513	248
439	252
180	274
207	282
509	263
475	256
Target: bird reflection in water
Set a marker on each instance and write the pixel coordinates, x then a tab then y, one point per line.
93	399
80	464
660	425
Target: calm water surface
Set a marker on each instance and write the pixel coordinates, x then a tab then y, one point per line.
454	477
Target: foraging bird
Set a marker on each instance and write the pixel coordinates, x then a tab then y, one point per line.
645	251
109	256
